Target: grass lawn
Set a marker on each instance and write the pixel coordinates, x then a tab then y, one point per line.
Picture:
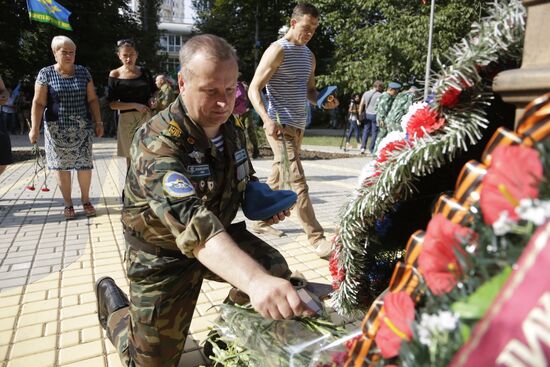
330	141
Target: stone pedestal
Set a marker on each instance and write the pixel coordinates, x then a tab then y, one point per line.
521	86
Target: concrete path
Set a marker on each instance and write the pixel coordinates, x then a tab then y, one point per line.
48	265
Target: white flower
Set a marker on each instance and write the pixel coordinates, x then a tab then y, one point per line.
390	138
432	325
536	211
367	171
503	224
412	110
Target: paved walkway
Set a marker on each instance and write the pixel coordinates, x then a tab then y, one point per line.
48	265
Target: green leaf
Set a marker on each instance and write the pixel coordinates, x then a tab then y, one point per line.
475	305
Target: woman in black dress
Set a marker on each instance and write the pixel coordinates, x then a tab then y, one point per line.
131	88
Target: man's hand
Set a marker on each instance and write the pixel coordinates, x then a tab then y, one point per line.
3	99
141	107
278	217
275	298
381	123
271	128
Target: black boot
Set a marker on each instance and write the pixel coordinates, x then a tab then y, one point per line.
109	299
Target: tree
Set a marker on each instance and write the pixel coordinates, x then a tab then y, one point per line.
387	39
97	25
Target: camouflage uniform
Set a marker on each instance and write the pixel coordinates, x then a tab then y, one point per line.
399	108
382	109
180	191
164	96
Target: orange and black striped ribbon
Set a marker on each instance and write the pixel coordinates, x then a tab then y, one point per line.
452	210
502	136
468	184
534	125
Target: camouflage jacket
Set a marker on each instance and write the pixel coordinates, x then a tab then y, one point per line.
399	108
164	96
180	190
383	107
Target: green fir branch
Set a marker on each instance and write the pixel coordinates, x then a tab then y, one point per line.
497	37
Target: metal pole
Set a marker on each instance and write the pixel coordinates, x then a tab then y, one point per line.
429	58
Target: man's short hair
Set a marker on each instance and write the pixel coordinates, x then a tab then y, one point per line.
212	46
304	9
378	84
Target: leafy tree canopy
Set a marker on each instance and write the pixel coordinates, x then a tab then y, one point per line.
97	25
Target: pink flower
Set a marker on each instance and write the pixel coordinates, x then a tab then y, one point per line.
425	119
338	274
437	261
515	173
396	316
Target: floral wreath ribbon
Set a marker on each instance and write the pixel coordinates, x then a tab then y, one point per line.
533	127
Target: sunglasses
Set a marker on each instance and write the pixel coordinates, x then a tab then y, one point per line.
126	41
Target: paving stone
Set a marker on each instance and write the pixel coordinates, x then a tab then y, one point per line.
33	346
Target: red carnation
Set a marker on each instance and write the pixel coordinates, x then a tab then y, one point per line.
437	261
424	119
30	187
386	151
515	173
45	189
396	318
450	97
338	274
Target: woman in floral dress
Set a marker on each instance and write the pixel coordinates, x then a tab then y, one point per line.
65	97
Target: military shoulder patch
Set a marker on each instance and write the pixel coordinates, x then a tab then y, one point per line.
174	129
238	122
177	185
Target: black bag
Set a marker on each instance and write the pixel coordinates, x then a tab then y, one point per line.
363	117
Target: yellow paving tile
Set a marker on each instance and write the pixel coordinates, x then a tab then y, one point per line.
45	285
202	323
76	289
29	332
6	301
79	322
34	296
70	281
33	346
51	328
37	317
87	298
69	301
80	352
92	362
69	338
91	333
9	311
44	359
5	337
31	307
113	360
74	273
78	310
7	323
3	351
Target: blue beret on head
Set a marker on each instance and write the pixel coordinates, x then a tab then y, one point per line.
260	202
394	85
324	93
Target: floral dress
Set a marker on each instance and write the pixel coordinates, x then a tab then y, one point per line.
68	127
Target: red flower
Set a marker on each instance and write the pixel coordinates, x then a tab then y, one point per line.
437	261
395	324
425	118
386	151
338	274
450	97
515	173
45	189
30	187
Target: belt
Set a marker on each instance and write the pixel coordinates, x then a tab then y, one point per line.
138	244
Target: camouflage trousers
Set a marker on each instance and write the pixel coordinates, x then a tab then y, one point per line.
163	295
382	132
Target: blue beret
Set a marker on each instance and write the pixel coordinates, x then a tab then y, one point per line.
394	85
260	202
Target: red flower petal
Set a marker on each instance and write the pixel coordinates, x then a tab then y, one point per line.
389	148
515	173
437	261
424	119
45	189
395	324
450	97
30	187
